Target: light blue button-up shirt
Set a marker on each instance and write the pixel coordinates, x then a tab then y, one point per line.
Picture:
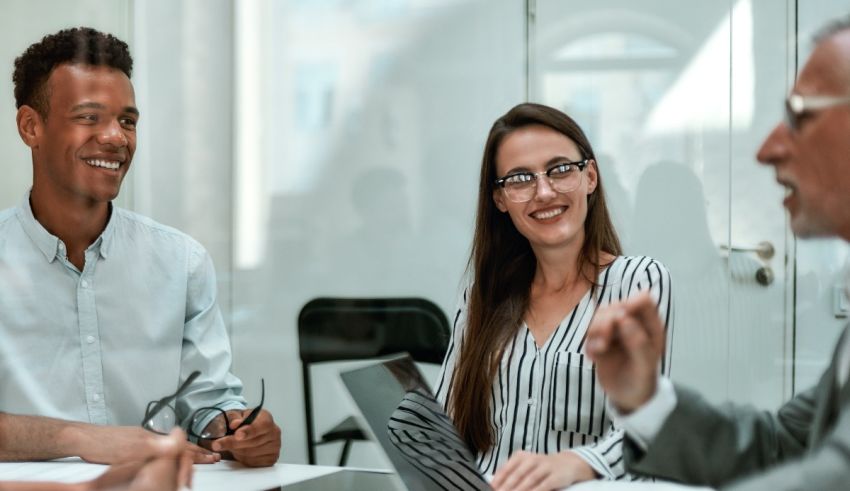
98	345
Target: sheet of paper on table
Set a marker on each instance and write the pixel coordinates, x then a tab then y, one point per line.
208	477
634	486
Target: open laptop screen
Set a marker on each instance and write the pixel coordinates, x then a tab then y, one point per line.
411	427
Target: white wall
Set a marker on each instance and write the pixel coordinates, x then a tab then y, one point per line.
23	23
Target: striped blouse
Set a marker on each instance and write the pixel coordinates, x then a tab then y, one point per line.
547	399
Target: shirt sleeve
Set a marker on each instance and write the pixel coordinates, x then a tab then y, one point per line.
206	347
606	456
644	423
656	280
446	377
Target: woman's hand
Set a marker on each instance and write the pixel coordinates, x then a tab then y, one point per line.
526	471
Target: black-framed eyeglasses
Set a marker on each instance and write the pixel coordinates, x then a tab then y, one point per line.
160	416
218	424
563	177
797	106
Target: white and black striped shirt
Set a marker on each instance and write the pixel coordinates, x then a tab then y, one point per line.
547	399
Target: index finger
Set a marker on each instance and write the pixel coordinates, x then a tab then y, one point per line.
641	302
602	332
255	427
645	309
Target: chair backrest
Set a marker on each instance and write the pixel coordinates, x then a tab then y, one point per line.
335	329
356	328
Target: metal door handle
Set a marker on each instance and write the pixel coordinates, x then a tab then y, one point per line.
763	249
764	276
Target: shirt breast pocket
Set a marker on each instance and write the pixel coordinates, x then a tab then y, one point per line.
577	402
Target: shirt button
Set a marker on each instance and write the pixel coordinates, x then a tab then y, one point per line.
531	402
84	283
90	339
95	397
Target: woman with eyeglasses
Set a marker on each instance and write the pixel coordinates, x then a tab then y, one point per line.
545	256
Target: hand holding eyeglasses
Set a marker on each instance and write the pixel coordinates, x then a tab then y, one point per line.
254	444
249	436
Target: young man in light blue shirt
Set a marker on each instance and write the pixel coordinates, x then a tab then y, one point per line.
102	310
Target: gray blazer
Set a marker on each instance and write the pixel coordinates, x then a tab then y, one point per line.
804	446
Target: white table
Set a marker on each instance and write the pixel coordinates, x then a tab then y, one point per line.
633	486
224	476
230	476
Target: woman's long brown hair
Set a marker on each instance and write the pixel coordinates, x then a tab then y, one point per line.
503	264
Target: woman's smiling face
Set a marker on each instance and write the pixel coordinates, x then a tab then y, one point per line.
549	219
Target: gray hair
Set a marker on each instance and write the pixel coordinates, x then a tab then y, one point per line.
832	28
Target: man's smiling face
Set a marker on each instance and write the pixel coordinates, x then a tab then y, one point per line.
85	145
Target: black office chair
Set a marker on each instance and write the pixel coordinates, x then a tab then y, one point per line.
336	329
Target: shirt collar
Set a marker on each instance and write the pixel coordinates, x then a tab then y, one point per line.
49	244
104	242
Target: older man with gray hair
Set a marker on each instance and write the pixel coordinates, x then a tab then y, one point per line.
673	433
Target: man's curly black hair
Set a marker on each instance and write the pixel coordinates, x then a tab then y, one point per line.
80	45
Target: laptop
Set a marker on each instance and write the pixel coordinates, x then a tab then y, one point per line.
404	417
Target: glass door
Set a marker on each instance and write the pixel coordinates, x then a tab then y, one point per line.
676	97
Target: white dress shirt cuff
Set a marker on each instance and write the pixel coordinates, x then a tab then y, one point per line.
596	462
644	423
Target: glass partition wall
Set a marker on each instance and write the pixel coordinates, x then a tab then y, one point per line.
677	97
332	148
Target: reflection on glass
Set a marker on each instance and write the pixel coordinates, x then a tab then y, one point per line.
615	45
677	98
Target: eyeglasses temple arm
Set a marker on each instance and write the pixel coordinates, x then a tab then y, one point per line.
253	415
166	400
